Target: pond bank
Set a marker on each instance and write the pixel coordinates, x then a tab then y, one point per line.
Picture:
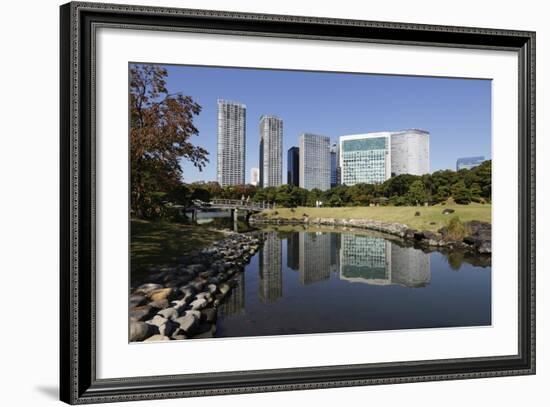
478	239
182	302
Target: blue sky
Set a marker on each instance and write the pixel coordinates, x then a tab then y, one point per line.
456	112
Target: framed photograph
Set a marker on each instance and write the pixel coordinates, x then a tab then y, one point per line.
255	203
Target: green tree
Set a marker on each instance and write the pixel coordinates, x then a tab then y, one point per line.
460	193
417	193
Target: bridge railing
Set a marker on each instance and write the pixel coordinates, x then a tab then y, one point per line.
240	203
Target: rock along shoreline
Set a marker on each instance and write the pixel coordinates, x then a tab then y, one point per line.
478	240
182	302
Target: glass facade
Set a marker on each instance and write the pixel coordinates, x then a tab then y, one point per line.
374	260
364	159
334	166
410	152
467	163
293	166
314	162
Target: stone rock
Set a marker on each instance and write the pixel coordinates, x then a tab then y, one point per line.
157	338
160	304
179	337
209	315
162	294
485	247
195	313
187	290
168	328
142	313
139	331
146	289
169	313
136	300
409	233
198	304
224	288
197	285
187	323
158	320
212	288
447	211
196	268
417	213
204	331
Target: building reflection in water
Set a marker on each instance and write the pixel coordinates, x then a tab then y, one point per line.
271	272
356	258
293	251
234	304
335	246
314	249
374	260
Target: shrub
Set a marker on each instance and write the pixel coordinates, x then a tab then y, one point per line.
456	229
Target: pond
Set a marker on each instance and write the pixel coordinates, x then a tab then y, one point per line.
340	281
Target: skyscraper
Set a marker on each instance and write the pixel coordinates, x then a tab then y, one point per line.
271	151
293	166
468	162
231	143
334	166
372	158
410	152
255	176
365	158
314	161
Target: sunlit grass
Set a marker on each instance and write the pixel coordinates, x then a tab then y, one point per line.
430	218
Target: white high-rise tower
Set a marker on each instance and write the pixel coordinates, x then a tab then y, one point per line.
231	143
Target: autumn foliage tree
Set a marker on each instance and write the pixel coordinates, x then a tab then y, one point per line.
161	125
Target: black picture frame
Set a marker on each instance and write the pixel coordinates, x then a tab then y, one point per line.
78	382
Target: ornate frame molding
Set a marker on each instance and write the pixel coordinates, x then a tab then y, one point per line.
78	380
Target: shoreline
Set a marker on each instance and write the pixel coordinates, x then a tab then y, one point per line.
182	301
477	241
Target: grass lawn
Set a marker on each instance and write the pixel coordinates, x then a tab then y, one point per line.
161	243
430	217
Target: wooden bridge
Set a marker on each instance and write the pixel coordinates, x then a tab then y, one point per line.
236	206
239	205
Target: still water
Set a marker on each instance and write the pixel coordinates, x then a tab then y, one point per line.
314	282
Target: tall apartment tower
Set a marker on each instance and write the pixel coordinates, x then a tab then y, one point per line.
314	161
365	158
271	151
231	143
410	152
293	166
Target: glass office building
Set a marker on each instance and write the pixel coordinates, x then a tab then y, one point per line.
365	158
410	152
293	166
314	161
467	163
334	166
